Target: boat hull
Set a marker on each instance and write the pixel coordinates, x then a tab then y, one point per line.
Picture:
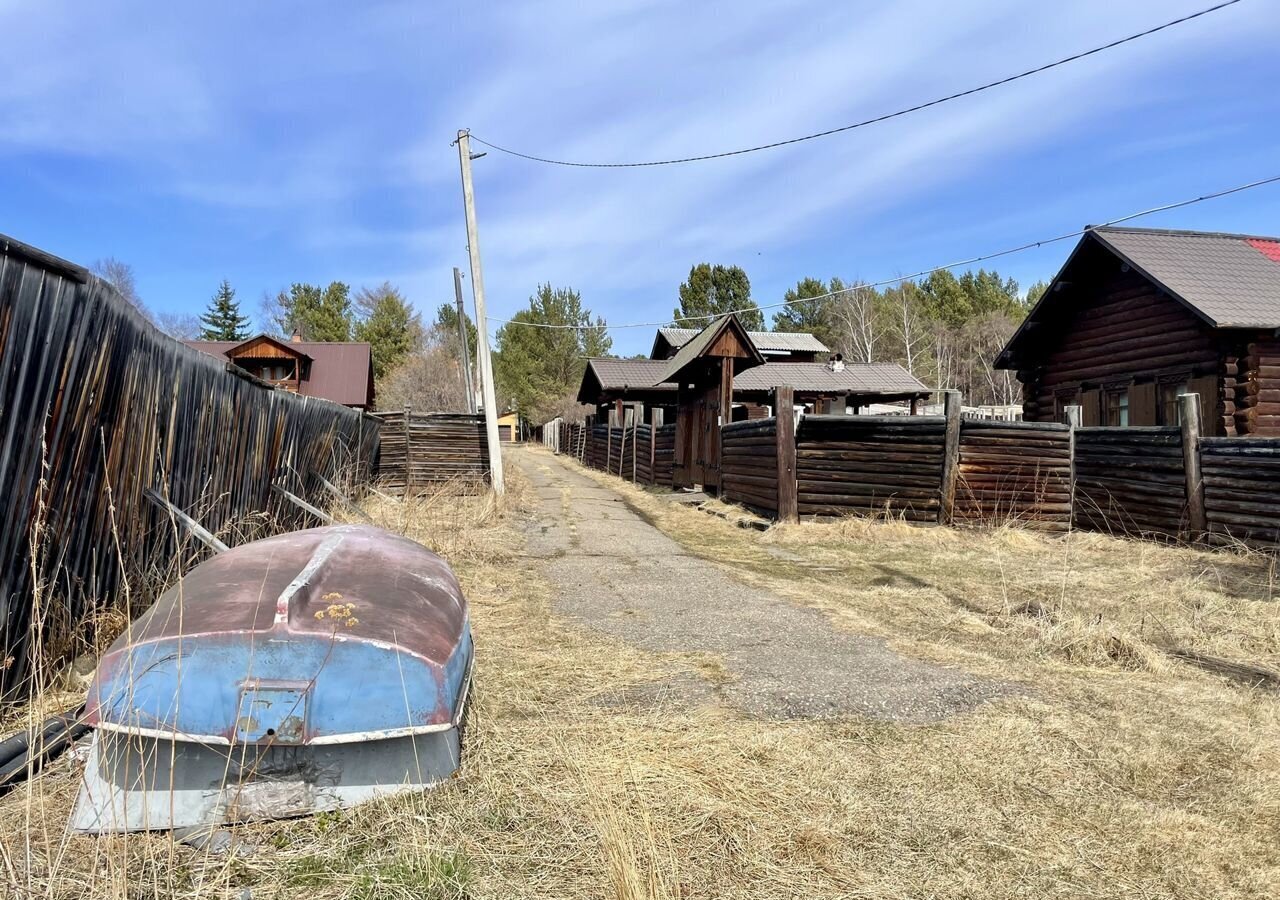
306	672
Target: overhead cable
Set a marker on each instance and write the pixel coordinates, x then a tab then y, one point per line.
1029	245
865	122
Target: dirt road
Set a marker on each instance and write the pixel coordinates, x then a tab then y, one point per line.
616	573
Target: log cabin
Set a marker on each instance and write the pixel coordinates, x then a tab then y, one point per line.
1138	316
340	371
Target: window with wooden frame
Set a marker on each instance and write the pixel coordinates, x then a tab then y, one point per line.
1061	400
1118	407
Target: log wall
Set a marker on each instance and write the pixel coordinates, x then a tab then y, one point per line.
749	464
871	465
644	445
1014	472
1130	481
423	449
100	407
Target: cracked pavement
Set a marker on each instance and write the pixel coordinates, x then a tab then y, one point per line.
617	574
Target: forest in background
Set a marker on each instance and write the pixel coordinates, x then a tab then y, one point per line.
944	329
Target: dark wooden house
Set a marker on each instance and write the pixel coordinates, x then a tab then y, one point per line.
1137	317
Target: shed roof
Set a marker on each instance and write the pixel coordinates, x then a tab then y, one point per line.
818	378
633	376
341	371
767	341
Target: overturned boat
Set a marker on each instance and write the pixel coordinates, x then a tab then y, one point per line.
305	672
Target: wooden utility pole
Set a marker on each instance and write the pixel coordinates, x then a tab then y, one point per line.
482	322
466	344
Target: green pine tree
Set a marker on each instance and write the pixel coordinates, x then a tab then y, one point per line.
223	321
389	324
714	291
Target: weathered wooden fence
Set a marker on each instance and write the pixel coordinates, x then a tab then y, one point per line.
1131	480
98	408
423	449
749	464
870	465
1241	489
1011	471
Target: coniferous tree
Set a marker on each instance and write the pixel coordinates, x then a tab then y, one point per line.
223	321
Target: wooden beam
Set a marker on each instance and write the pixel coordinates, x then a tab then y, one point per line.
950	457
303	505
784	412
197	530
342	498
1197	524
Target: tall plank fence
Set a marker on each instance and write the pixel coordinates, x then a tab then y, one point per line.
420	450
99	409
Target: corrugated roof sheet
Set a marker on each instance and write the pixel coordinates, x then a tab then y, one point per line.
340	371
1231	279
854	378
798	341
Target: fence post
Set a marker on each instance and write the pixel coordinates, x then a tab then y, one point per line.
784	415
1074	416
950	457
408	457
1197	523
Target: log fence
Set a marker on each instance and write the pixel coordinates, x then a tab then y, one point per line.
1164	483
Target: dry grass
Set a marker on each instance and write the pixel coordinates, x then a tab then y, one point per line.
1115	772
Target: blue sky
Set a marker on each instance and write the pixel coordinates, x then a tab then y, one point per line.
275	142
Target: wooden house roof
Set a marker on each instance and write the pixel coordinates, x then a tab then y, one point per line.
1226	280
668	339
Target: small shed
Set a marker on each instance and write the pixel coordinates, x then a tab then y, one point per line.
703	372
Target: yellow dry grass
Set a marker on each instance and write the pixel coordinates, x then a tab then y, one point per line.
1113	771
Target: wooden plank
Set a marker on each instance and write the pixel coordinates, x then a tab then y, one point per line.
950	456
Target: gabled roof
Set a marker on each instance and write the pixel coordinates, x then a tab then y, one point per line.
705	340
1227	280
766	341
818	378
1232	280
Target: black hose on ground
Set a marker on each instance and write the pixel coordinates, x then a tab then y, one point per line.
25	752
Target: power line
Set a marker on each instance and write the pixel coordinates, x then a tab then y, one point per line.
882	118
1030	245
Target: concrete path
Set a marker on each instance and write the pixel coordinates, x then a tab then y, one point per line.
616	573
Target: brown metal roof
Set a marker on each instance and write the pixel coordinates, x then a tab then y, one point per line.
816	377
341	371
622	375
1232	280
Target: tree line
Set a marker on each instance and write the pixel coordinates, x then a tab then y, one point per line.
945	329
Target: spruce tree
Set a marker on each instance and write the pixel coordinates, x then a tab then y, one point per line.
222	321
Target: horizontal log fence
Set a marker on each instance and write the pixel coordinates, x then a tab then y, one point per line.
870	465
109	429
419	450
749	464
1152	482
1014	471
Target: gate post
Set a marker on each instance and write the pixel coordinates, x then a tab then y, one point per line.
950	457
784	415
1197	522
1075	415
